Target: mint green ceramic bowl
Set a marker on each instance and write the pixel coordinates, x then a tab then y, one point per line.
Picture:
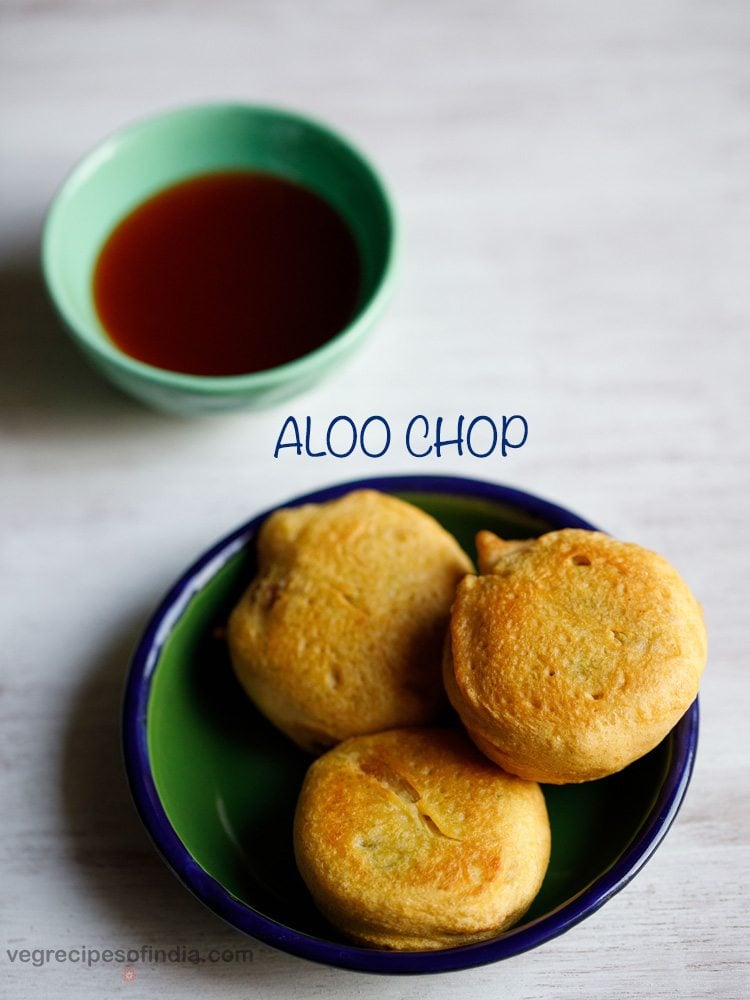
137	162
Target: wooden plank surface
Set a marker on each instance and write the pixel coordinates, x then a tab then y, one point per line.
572	181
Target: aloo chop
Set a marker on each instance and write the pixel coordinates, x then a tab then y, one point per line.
571	655
341	631
412	839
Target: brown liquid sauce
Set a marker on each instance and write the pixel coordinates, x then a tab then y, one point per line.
227	273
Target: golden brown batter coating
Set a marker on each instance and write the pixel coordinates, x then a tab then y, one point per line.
572	654
341	631
411	839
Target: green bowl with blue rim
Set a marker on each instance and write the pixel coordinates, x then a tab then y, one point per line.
216	785
139	161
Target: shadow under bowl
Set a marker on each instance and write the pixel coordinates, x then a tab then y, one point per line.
216	785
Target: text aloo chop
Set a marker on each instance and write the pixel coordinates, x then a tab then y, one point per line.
481	436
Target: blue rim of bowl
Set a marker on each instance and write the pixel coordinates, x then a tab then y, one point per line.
367	313
683	745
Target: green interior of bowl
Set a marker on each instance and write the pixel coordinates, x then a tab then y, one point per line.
229	781
144	159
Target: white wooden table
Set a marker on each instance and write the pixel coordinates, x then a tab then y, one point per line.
573	186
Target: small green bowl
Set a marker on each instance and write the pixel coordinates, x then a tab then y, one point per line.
143	159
